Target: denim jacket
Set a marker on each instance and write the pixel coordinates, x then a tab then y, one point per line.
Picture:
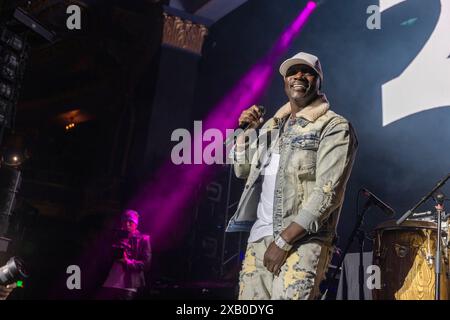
317	150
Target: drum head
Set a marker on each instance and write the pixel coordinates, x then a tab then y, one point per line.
407	224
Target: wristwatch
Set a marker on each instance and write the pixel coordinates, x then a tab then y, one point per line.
282	244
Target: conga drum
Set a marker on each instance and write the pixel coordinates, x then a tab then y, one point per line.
405	255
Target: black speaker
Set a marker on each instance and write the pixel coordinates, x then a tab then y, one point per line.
10	180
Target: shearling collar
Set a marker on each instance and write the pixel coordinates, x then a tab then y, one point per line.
311	112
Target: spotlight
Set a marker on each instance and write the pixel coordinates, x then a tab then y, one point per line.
12	159
70	126
14	152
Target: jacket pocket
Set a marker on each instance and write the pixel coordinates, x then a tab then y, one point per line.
308	141
304	153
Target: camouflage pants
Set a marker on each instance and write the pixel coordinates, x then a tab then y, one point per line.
299	278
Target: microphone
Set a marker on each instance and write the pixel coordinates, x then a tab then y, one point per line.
244	126
376	201
439	197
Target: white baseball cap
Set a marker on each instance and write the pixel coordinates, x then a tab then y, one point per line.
302	58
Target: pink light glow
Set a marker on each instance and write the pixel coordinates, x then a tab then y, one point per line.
162	201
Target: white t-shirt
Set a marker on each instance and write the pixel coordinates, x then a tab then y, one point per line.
264	223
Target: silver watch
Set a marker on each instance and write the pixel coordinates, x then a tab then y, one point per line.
282	244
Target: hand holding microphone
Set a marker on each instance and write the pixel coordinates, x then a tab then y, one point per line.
252	117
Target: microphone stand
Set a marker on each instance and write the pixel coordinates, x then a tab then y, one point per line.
361	238
357	231
232	136
439	212
437	262
425	198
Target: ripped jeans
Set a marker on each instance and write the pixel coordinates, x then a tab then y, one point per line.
299	279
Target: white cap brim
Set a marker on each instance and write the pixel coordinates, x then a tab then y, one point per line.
292	62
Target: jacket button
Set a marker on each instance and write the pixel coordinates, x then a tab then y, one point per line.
247	186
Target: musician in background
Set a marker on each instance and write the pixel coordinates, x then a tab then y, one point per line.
133	257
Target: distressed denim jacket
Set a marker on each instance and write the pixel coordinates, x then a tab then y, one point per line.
317	149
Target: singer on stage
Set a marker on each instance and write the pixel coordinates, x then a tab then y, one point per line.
294	189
